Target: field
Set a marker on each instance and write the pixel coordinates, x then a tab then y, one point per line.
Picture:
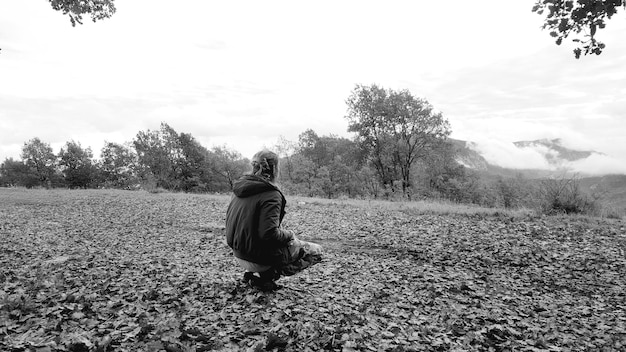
104	270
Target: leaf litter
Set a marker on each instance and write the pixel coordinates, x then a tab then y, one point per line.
132	271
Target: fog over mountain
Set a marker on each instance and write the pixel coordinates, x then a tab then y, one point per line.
543	154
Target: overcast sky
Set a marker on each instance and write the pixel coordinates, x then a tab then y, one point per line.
243	73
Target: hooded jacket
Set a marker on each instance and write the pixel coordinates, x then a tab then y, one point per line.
253	222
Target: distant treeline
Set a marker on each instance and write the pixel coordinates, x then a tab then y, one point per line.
400	151
323	166
160	159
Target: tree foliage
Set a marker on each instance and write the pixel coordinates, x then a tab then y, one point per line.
16	173
76	165
441	177
162	159
40	158
76	9
118	165
228	164
324	166
394	129
285	150
177	161
195	174
159	153
579	18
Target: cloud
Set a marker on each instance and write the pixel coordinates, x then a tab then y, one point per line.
243	75
598	164
506	154
538	96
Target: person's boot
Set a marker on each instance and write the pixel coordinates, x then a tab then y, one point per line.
267	286
249	278
267	280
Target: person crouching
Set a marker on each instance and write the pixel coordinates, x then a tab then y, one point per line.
253	231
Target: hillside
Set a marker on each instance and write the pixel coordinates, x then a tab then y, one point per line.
611	188
468	156
555	153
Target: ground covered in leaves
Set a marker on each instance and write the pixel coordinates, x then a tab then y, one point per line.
133	271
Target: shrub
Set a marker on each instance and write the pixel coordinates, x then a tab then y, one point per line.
563	196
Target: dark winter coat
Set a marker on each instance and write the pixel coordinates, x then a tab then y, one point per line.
253	222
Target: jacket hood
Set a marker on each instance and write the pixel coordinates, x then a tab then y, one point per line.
250	185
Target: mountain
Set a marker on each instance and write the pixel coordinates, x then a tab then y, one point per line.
468	155
554	151
549	158
611	188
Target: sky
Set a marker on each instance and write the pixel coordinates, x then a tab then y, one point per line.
243	73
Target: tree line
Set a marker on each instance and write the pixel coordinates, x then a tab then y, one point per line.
159	159
400	150
396	136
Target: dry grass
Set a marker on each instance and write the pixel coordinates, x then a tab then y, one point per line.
409	207
417	207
